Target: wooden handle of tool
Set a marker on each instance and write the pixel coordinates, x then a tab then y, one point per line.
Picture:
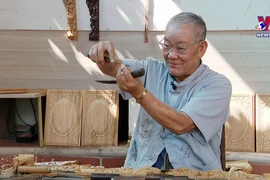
138	73
135	74
33	169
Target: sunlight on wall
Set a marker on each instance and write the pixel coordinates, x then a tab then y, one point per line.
89	66
218	63
57	24
57	51
162	15
124	15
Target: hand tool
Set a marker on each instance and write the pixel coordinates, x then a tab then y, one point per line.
135	74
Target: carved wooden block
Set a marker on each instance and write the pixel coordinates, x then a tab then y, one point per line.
63	118
100	118
70	6
263	123
93	6
240	127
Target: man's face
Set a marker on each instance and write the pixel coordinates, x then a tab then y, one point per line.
184	57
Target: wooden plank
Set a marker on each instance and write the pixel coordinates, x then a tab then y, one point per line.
12	91
25	95
40	122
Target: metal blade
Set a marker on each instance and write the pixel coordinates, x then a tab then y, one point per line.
106	81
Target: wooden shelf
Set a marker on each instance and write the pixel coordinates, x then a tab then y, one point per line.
23	95
31	93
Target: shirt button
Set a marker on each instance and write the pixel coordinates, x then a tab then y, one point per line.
150	157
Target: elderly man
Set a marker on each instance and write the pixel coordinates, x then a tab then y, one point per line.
184	103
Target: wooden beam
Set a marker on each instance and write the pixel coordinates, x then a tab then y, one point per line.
146	21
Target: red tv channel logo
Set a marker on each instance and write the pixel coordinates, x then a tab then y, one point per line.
263	26
263	23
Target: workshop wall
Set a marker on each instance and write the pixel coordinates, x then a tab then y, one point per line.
129	15
35	52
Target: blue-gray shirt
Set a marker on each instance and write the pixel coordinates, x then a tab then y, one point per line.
204	96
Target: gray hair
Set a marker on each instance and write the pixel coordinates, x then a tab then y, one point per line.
193	19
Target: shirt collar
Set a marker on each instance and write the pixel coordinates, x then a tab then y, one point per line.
191	78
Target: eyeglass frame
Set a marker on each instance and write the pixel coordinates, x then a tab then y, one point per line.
173	47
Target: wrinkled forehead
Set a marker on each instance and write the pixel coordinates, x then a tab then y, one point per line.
181	32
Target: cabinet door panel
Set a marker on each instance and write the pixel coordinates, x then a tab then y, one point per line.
100	118
240	127
63	118
263	123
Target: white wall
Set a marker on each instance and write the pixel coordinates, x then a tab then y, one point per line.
129	15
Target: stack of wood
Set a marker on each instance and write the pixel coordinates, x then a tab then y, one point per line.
24	164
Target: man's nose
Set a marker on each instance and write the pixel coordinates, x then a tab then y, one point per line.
172	53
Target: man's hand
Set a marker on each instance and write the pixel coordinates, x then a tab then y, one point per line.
101	50
126	82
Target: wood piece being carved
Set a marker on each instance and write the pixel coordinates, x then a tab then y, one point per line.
70	6
100	118
93	6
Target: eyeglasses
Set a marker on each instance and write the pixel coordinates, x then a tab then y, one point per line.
179	48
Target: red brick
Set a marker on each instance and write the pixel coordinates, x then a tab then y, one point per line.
111	162
260	168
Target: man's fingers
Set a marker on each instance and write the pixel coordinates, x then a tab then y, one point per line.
99	51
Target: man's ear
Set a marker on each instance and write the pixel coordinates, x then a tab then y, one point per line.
203	48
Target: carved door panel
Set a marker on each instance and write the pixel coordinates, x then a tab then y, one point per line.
263	123
63	118
100	118
240	127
